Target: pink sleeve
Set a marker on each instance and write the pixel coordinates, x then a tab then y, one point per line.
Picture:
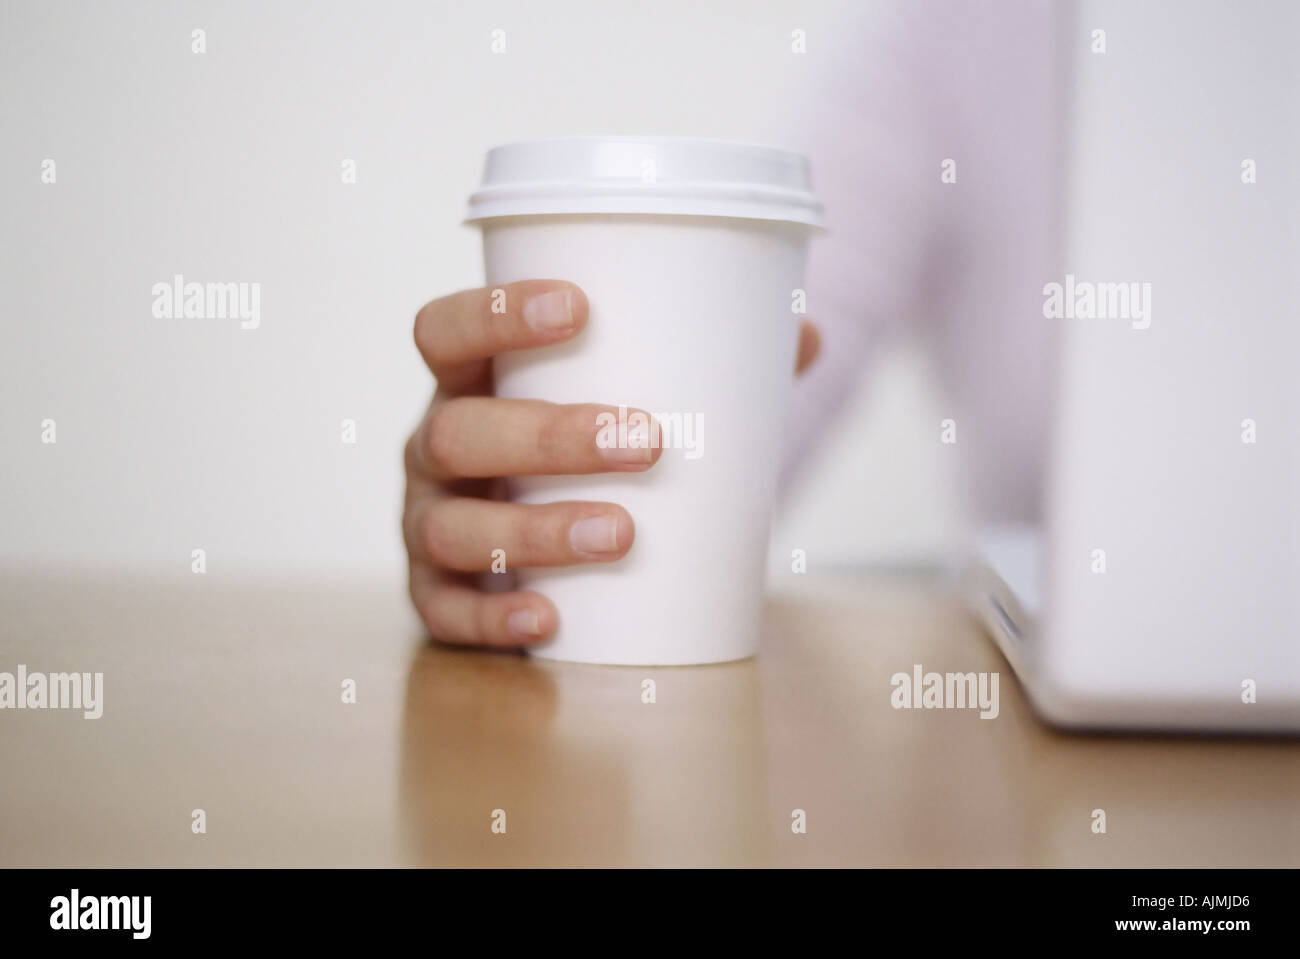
908	87
865	144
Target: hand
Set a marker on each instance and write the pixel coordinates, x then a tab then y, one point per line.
455	516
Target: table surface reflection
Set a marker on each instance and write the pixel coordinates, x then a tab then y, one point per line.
226	696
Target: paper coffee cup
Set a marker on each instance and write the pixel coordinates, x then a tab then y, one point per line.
691	254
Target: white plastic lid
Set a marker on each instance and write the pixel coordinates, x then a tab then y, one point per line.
663	175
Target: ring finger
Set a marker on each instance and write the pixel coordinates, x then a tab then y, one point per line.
469	535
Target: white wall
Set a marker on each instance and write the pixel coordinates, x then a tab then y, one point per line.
174	434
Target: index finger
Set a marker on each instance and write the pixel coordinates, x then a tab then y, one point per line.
472	326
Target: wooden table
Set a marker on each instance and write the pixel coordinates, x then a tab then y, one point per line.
227	697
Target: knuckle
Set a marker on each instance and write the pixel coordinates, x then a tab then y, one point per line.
437	536
423	599
420	328
411	538
426	606
442	440
431	613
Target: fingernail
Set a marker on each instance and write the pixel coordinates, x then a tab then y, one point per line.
596	534
549	312
524	622
635	452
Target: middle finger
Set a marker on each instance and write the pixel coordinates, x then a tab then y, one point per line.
484	436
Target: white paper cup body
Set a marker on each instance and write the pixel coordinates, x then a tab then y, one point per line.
694	319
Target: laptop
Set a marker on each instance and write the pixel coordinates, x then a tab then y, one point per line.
1163	590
